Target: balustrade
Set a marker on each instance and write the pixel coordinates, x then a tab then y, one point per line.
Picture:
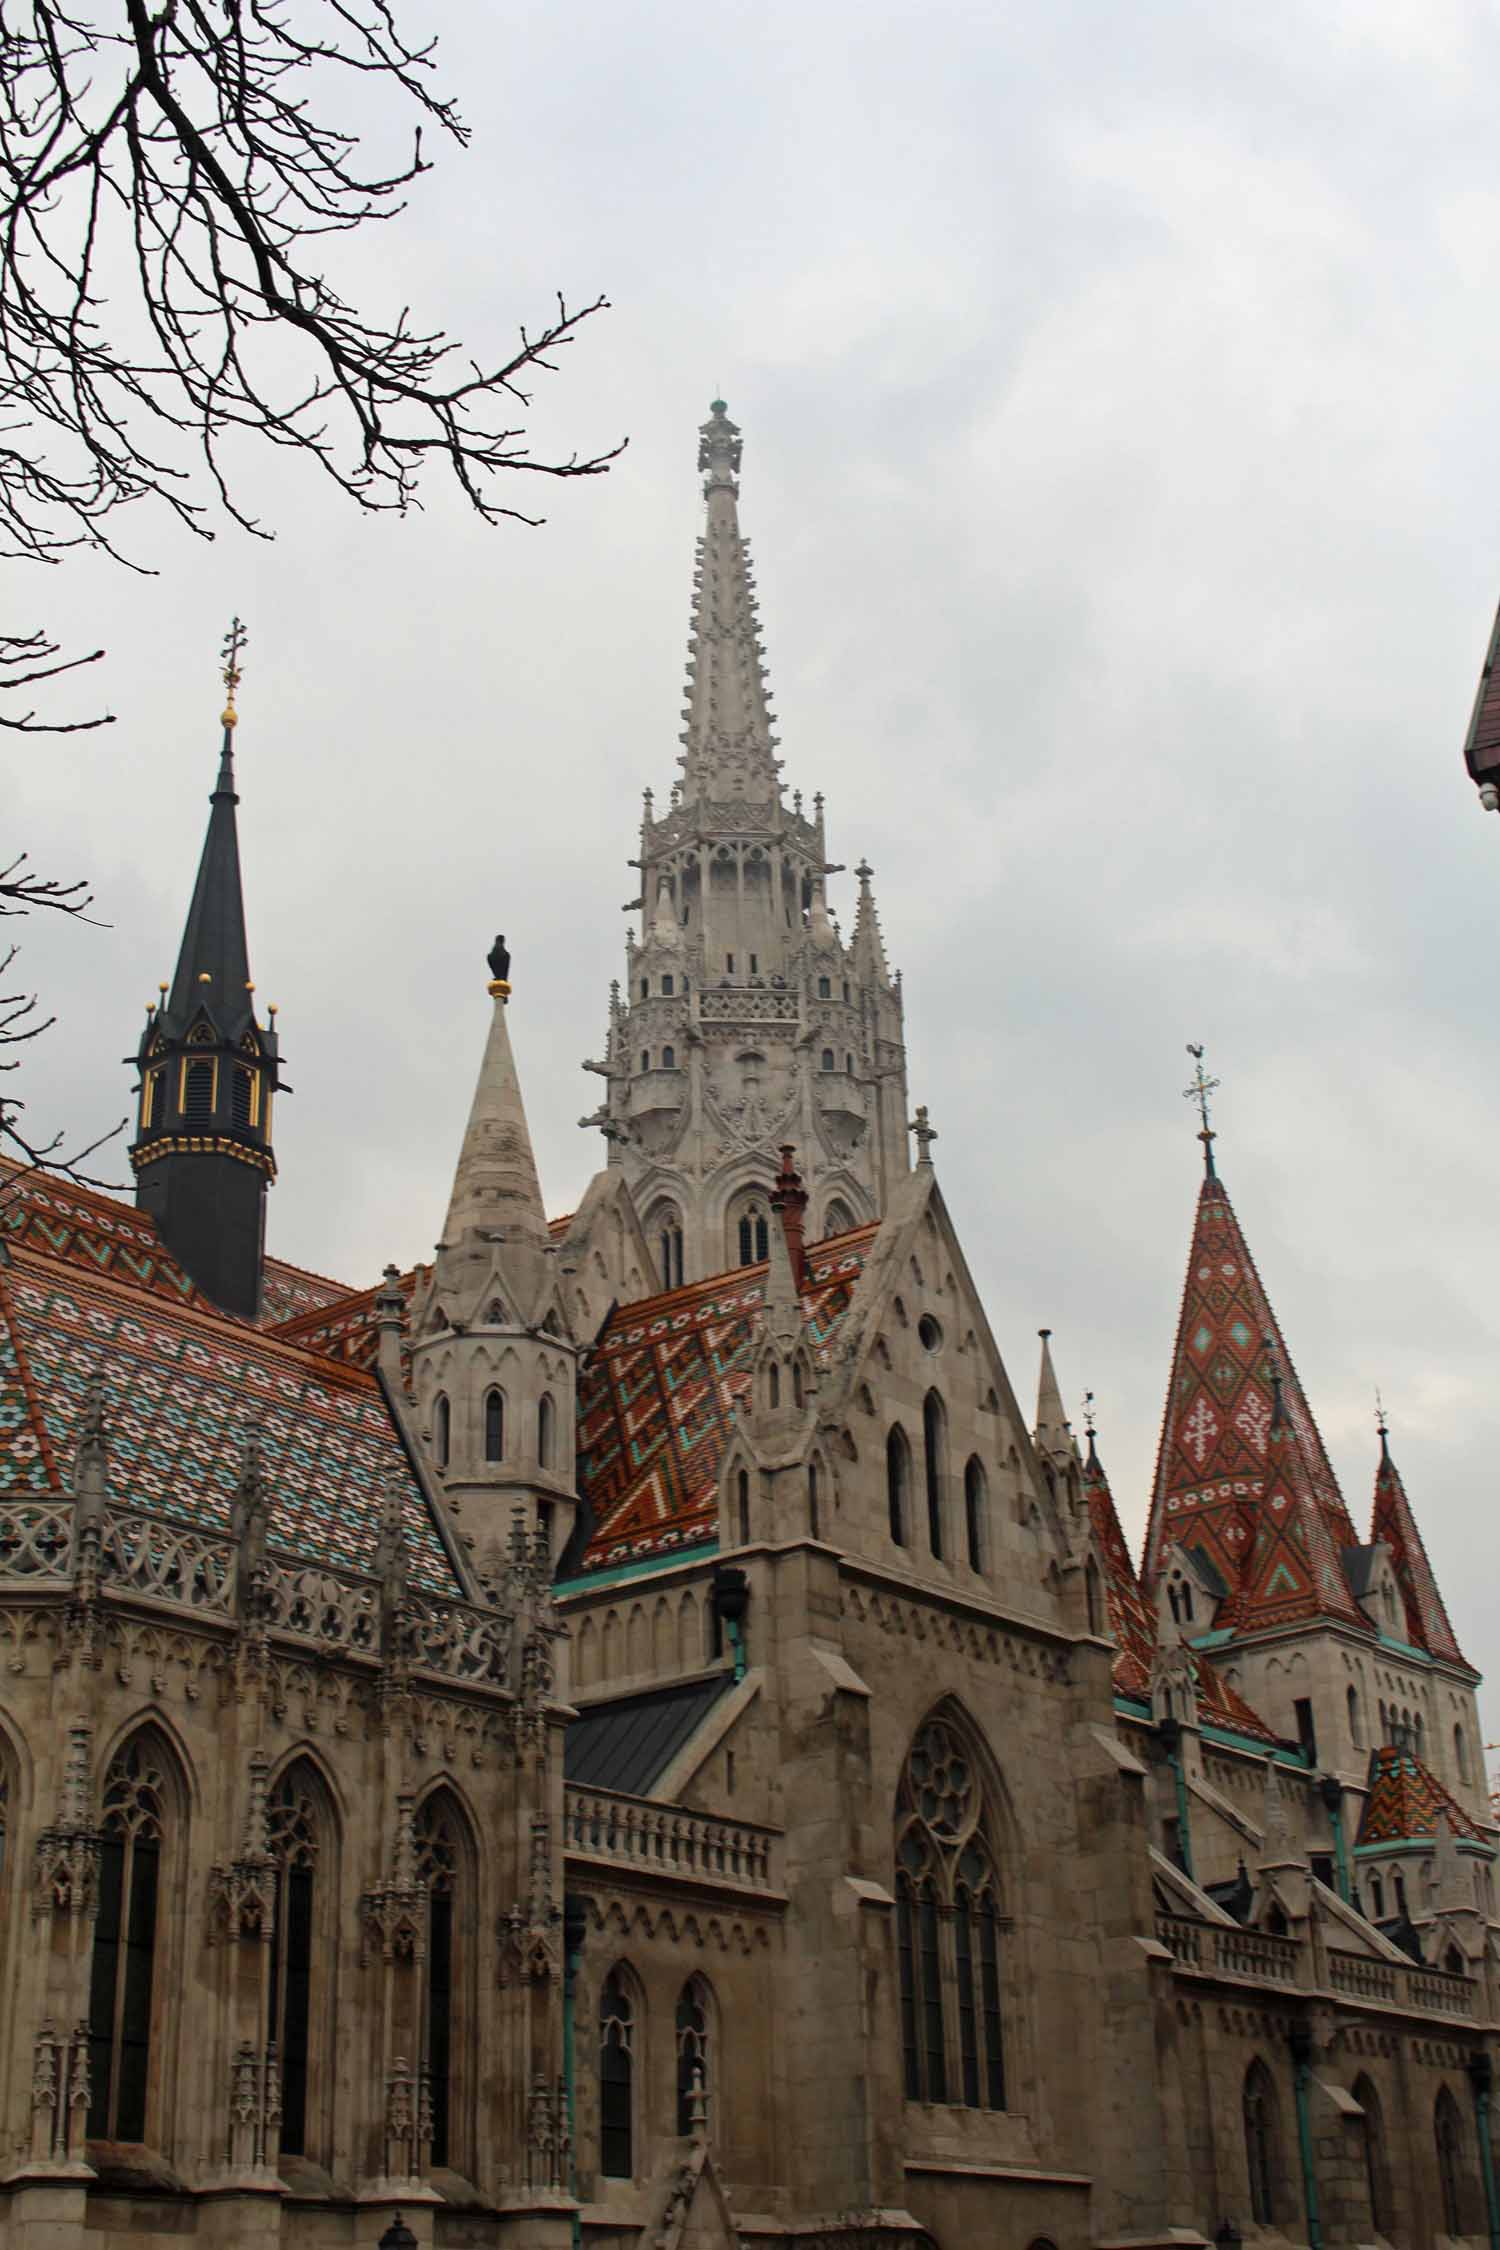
662	1840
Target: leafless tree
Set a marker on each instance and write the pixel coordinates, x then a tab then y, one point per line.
169	173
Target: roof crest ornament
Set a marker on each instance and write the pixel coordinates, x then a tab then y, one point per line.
234	642
1199	1092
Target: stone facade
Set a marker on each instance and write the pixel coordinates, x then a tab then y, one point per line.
607	1740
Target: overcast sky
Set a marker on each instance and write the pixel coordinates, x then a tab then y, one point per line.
1119	391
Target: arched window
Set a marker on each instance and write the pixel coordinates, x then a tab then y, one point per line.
796	1382
753	1233
1261	2153
242	1095
1372	2153
616	2079
773	1385
443	1863
645	1058
1356	1723
298	1825
974	1510
693	2051
838	1218
812	1499
1377	1898
1449	2132
849	1066
198	1092
122	1977
742	1504
1461	1754
494	1426
667	985
934	1433
897	1481
826	1061
546	1418
666	1222
952	2015
645	988
669	1057
1094	1598
442	1424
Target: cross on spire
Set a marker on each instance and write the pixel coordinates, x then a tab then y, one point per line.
234	642
1199	1092
925	1135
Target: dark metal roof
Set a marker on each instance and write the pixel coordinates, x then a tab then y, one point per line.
625	1745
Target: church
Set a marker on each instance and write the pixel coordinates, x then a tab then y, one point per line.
632	1736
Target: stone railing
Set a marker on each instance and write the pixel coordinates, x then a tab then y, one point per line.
747	1004
662	1840
322	1606
36	1538
1392	1984
167	1561
1226	1951
457	1640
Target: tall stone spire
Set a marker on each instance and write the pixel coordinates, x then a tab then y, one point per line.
745	1020
728	746
496	1191
202	1154
1053	1436
867	947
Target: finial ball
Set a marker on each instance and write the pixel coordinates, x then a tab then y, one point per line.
717	406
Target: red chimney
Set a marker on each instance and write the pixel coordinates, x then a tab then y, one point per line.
789	1201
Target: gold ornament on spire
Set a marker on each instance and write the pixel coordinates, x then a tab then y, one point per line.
234	641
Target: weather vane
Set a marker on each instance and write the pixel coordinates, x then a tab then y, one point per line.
1199	1092
1088	1412
1381	1425
234	642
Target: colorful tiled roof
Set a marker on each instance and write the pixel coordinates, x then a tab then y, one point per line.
658	1396
347	1331
1267	1511
39	1211
291	1292
1404	1801
1131	1623
1220	1705
183	1384
1427	1623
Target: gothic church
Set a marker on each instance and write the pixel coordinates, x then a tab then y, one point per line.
630	1735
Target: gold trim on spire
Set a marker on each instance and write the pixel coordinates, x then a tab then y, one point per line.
234	641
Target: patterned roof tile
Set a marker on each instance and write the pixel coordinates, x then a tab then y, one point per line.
1404	1800
1427	1624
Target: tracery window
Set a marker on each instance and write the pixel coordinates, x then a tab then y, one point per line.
616	2079
949	1928
122	1973
693	2055
754	1234
494	1426
1450	2155
666	1221
440	1865
897	1481
838	1219
295	1825
1258	2103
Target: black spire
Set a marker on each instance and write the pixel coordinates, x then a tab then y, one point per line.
202	1153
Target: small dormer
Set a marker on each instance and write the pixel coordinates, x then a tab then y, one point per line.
1371	1573
1189	1592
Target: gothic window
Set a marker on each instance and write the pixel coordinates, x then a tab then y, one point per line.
897	1481
754	1233
796	1382
442	1864
242	1096
826	1062
494	1426
198	1091
616	2079
1259	2107
1377	1898
838	1219
645	988
669	1058
1460	1754
122	1973
812	1499
1356	1724
948	1929
773	1385
825	988
667	985
742	1503
974	1510
1450	2156
1372	2153
1094	1598
693	2051
150	1099
442	1421
297	1825
849	1066
934	1433
645	1058
545	1418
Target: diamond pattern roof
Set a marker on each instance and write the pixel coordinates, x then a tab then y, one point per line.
1404	1801
658	1398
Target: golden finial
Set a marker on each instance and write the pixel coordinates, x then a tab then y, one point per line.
234	641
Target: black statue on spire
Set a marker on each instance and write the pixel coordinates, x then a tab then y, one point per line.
500	961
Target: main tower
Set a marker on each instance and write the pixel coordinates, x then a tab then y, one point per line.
746	1020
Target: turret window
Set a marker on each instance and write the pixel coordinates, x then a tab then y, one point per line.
545	1419
1461	1755
442	1430
494	1426
151	1100
897	1481
825	988
667	986
1448	2132
849	1066
742	1508
754	1234
812	1500
199	1085
243	1096
827	1061
846	988
669	1058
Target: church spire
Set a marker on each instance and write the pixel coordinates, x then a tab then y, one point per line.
202	1153
867	947
1426	1622
496	1192
728	747
1053	1436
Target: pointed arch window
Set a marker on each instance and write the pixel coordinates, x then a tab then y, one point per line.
546	1421
952	1987
296	1819
616	2079
667	1225
1258	2107
934	1434
1356	1722
494	1426
975	1510
669	1057
754	1234
742	1505
838	1219
1372	2151
826	1062
442	1865
122	1975
1377	1899
1461	1755
897	1481
1094	1599
812	1499
1448	2132
442	1429
694	2052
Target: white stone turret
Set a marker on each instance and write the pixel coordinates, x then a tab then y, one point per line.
746	1021
492	1356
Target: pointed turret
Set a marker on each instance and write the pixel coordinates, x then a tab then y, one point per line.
202	1154
493	1361
1054	1438
867	947
1393	1525
1129	1620
728	746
